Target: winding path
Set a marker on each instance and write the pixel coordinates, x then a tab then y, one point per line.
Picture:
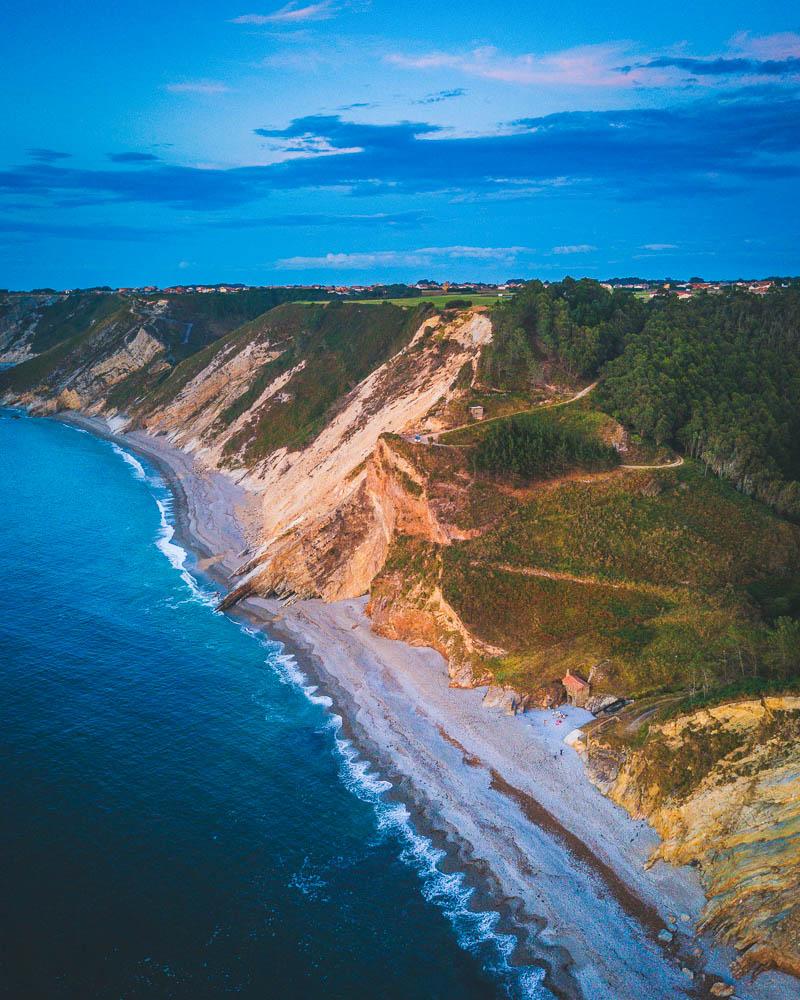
666	465
432	439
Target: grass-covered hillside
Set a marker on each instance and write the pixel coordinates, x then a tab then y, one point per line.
338	345
301	360
559	551
669	578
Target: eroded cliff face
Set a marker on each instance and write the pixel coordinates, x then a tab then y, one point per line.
332	510
722	788
18	320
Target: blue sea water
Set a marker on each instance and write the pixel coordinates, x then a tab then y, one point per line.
181	815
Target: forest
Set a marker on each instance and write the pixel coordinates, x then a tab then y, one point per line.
716	376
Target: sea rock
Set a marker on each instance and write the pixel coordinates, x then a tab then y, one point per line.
721	990
576	739
665	936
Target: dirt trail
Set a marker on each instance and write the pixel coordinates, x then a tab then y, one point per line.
434	437
589	581
666	465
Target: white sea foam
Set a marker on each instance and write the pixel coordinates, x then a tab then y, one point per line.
476	930
132	461
177	555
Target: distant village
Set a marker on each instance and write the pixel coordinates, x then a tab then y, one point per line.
642	287
686	289
645	288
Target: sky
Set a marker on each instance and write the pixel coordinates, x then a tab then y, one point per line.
349	141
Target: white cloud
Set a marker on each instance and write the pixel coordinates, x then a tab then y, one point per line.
619	65
574	248
198	87
585	66
659	246
296	13
423	257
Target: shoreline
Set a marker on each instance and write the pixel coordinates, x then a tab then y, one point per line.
509	803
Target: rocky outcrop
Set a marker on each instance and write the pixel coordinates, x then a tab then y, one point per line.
135	352
504	697
722	788
420	615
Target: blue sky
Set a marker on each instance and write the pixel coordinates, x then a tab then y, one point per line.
352	141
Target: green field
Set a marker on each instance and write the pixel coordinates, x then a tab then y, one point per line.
440	301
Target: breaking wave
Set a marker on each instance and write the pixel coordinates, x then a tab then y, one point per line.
476	930
132	461
177	555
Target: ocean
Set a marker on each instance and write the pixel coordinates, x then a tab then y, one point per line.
181	813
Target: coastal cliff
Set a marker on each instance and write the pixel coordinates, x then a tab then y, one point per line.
721	786
494	509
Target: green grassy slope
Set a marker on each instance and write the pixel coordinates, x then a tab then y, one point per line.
340	343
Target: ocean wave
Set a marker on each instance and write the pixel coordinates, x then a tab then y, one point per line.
177	555
476	930
132	461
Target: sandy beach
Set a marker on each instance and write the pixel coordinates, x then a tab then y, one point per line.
510	801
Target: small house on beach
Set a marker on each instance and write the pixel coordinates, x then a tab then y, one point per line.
578	689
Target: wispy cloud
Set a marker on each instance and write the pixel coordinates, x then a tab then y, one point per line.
291	13
133	157
656	247
198	87
423	257
44	155
746	58
619	64
585	66
377	220
574	248
442	95
296	12
722	66
778	46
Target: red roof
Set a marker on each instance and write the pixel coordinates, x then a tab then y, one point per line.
574	681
